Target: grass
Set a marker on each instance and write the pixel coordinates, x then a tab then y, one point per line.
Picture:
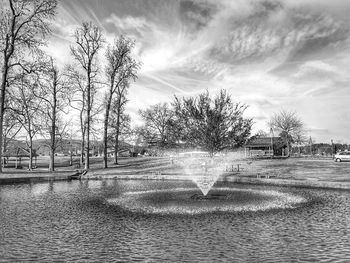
304	169
292	168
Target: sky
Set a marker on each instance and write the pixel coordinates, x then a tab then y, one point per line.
272	55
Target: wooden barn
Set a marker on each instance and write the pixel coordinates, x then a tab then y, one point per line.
265	147
18	153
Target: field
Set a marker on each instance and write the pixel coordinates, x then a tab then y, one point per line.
63	164
303	169
292	168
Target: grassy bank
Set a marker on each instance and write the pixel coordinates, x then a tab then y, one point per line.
322	170
287	169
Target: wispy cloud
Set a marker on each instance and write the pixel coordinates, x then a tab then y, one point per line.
270	54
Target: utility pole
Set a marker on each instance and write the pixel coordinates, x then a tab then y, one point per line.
71	149
310	143
271	134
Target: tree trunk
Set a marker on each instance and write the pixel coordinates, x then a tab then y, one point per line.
52	160
30	165
116	145
82	150
2	104
8	52
105	131
71	155
87	148
53	128
3	150
82	127
88	110
1	124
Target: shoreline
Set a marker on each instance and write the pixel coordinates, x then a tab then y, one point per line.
102	175
323	174
230	177
34	177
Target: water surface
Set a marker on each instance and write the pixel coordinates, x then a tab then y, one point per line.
77	222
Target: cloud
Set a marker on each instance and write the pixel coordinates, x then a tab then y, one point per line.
270	54
128	23
294	32
315	70
196	14
335	90
317	130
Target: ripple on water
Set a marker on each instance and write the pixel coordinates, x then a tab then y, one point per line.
188	201
70	222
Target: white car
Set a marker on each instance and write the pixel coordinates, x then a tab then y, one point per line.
342	156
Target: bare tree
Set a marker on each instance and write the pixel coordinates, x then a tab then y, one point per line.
78	101
158	124
89	40
299	140
23	27
54	93
121	68
118	107
119	126
11	128
26	107
77	81
289	125
261	133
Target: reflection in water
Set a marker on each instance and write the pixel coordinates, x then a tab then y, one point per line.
40	189
73	221
188	201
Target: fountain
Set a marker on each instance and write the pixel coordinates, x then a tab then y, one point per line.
203	171
186	201
214	196
205	181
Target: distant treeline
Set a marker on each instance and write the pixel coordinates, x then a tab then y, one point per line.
321	148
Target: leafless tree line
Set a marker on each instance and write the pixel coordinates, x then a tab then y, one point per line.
35	93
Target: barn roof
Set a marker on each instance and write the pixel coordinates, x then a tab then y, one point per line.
263	141
18	151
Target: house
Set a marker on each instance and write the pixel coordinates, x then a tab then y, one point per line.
124	153
19	153
265	147
125	150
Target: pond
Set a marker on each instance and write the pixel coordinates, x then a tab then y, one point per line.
158	221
